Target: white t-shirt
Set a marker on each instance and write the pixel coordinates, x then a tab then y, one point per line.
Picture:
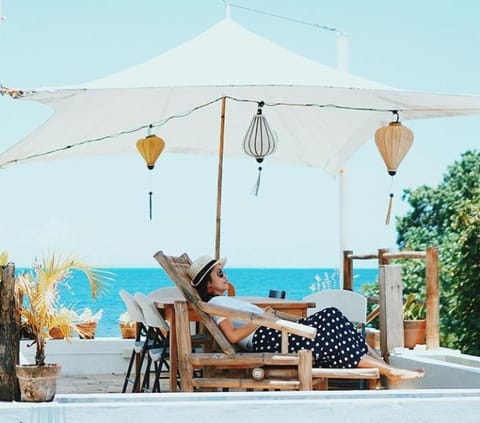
244	343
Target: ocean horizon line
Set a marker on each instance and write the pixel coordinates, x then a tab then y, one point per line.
240	267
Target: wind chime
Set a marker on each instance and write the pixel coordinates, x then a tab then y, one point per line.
150	148
393	142
259	141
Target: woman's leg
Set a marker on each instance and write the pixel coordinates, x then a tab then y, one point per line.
393	374
373	353
337	343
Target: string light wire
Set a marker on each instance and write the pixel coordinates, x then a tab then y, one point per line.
17	94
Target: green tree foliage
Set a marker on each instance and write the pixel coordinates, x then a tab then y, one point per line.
448	217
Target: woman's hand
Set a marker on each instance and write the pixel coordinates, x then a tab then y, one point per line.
269	310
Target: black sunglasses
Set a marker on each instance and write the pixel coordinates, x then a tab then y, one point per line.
221	273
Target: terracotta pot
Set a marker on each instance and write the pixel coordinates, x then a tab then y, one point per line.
38	383
87	330
414	332
373	338
55	333
128	331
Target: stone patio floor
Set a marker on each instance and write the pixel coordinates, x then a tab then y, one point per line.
97	383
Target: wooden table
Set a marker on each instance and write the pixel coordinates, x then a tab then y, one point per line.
165	304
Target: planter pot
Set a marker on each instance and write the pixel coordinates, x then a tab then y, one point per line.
414	332
38	383
55	333
87	330
373	338
128	331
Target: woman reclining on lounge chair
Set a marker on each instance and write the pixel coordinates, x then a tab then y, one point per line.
337	344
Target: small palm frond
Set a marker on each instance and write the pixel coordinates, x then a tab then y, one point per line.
58	270
3	258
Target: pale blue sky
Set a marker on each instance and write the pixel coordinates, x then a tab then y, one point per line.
97	208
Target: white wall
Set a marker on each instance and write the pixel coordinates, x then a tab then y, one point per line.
439	406
84	356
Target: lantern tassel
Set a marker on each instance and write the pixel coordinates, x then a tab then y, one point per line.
389	209
256	187
150	204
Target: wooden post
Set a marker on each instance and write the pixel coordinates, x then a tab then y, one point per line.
347	270
433	298
9	335
305	370
391	308
184	343
382	260
219	181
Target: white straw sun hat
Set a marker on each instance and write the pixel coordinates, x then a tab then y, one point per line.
202	267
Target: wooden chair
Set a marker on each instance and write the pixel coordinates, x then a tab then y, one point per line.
228	368
354	306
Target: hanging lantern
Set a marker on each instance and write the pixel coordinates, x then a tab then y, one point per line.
259	141
393	142
150	148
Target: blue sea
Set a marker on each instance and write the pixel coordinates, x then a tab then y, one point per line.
247	281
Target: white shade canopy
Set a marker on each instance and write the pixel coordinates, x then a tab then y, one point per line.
319	114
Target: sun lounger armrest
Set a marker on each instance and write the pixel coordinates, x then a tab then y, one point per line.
264	319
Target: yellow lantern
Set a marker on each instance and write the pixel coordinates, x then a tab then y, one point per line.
150	148
393	142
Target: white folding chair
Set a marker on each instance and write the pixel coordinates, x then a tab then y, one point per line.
352	304
158	332
138	351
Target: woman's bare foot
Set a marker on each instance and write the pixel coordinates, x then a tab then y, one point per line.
400	375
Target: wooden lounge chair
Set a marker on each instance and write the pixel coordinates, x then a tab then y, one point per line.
228	368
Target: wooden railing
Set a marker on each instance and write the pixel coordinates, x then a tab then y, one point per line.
384	258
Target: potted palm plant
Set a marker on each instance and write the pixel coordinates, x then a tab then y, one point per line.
414	323
38	305
87	323
128	328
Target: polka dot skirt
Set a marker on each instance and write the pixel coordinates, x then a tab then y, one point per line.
337	344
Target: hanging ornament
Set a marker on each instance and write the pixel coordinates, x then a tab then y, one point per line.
150	148
393	142
259	141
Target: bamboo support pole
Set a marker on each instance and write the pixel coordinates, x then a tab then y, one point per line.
220	180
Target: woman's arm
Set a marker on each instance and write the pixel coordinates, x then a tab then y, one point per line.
236	334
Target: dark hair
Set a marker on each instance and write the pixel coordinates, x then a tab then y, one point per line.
202	287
